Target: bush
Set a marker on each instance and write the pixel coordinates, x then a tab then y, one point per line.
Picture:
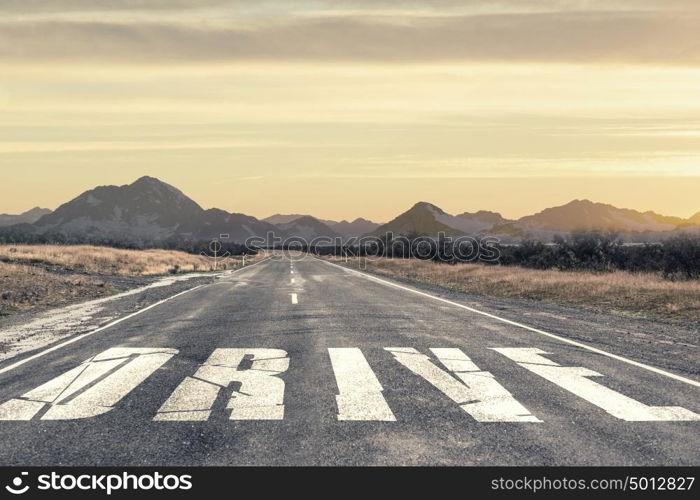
676	258
530	253
590	251
682	257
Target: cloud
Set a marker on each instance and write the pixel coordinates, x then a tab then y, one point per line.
29	6
635	37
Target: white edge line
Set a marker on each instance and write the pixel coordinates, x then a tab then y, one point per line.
109	325
520	325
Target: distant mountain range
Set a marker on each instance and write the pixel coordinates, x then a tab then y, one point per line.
579	215
586	215
358	227
149	211
298	224
287	218
28	217
307	227
146	211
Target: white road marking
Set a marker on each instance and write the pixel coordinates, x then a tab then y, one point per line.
479	394
260	396
295	299
102	328
91	389
359	392
529	328
113	323
293	281
574	380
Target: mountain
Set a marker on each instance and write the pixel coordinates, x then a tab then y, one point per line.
287	218
426	219
219	224
587	215
423	219
307	227
356	228
28	217
282	218
476	222
147	210
484	217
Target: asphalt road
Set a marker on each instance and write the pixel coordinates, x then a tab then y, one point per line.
306	363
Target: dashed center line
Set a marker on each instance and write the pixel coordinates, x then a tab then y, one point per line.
295	300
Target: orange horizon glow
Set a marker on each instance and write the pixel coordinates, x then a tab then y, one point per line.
274	107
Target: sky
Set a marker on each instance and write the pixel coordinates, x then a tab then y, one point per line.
355	108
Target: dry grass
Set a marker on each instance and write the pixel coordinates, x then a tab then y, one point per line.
49	275
647	295
114	262
24	287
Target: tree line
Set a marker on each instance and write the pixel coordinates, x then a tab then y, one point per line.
677	257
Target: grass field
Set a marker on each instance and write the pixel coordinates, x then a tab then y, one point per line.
645	294
34	276
114	262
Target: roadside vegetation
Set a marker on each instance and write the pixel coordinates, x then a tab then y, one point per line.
677	258
656	281
113	261
34	276
642	294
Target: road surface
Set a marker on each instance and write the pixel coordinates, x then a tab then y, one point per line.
306	363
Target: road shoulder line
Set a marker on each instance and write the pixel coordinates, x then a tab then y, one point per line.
60	345
521	325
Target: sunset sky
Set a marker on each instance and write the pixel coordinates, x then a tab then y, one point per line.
354	108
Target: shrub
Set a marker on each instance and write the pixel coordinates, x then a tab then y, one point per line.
681	257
